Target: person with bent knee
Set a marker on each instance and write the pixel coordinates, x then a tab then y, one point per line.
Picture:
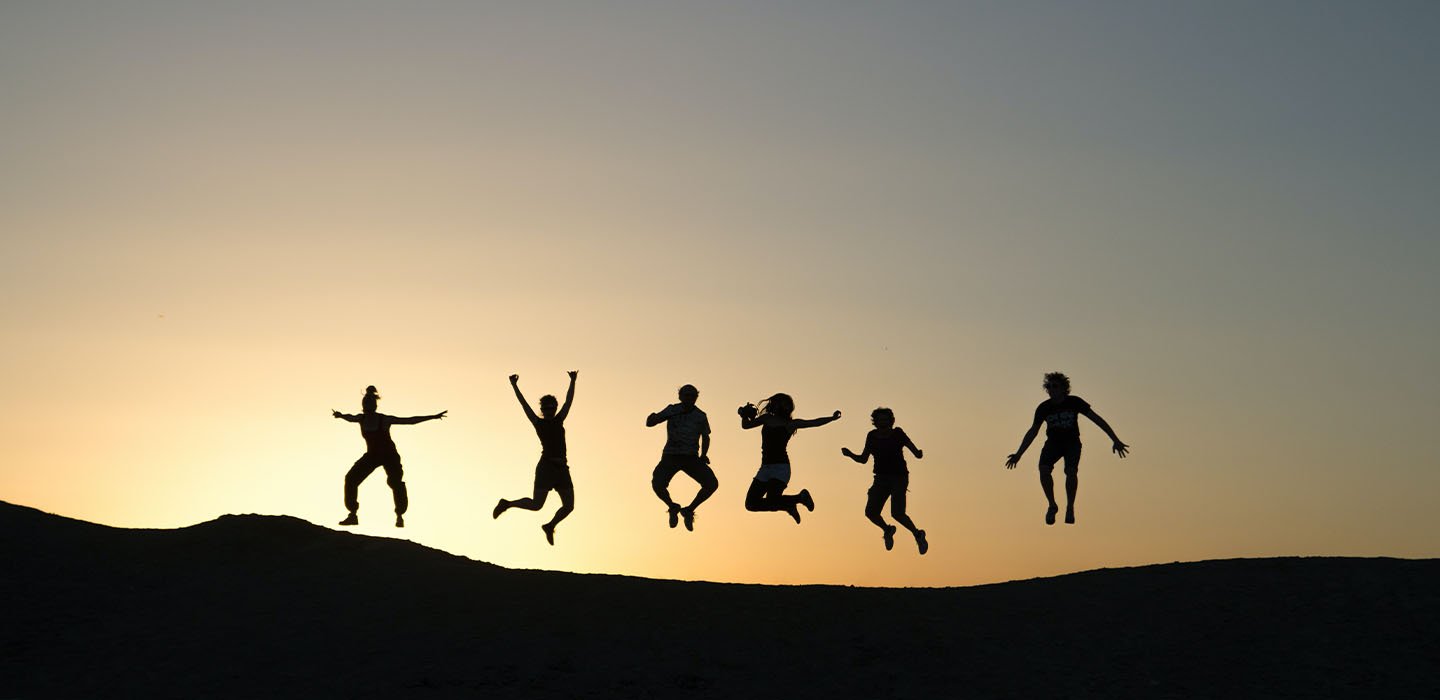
552	473
687	430
892	478
775	418
1061	416
380	452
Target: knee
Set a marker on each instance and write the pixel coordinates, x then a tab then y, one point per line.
395	481
709	483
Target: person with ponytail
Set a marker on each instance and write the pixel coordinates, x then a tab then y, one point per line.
777	425
379	452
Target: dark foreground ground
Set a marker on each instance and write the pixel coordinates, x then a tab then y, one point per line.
258	606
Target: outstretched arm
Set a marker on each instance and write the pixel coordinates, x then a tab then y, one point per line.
569	397
1014	459
344	416
515	384
1117	447
417	419
814	422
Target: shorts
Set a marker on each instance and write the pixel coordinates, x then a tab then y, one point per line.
1052	452
889	486
692	465
551	475
774	472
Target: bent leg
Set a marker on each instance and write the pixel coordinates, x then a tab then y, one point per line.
567	504
660	482
874	501
395	478
897	508
357	474
705	476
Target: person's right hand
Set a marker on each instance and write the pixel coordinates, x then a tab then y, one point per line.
846	451
1012	460
514	379
335	413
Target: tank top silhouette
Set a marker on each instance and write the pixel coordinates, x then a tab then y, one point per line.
375	428
552	438
773	439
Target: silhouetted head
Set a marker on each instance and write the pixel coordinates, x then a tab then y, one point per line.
1057	385
548	405
883	418
779	405
688	394
368	403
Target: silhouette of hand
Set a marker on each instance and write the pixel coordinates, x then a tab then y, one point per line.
334	413
514	379
573	374
440	415
1120	448
1012	460
846	451
705	459
919	454
837	415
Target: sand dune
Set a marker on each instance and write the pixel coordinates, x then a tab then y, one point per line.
263	606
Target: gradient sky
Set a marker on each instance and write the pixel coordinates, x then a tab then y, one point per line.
219	223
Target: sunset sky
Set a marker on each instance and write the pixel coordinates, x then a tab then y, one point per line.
219	223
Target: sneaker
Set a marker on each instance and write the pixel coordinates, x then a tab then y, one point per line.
889	537
689	516
549	533
674	516
921	543
1070	517
793	512
1050	514
500	507
399	520
806	500
350	519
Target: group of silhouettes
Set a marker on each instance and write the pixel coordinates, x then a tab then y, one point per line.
687	448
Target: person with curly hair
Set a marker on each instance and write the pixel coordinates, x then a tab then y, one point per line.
1060	414
892	478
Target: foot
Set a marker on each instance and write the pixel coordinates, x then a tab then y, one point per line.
793	512
1069	516
399	520
920	541
674	516
1050	514
889	537
549	533
500	507
806	500
350	519
688	515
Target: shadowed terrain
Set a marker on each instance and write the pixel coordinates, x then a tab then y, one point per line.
265	606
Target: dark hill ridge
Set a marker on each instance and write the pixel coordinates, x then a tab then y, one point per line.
264	606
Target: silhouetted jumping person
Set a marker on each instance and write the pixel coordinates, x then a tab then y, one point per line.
1060	414
379	452
686	430
777	426
892	479
552	473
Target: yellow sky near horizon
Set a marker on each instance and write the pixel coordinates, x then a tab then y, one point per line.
214	228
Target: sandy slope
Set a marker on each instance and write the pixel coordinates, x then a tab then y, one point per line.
257	606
